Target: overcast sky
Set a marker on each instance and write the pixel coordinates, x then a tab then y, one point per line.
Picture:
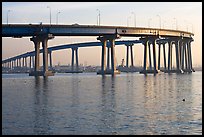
187	16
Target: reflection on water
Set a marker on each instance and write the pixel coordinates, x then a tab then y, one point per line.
91	104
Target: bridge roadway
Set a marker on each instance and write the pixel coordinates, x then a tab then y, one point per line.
148	36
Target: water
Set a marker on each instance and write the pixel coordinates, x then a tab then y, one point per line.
129	103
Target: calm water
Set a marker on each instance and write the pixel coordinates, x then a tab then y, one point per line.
90	104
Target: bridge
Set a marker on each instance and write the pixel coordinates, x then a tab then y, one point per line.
149	37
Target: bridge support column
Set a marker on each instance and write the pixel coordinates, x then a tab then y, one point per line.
177	56
129	69
170	56
159	56
103	54
131	53
104	40
76	68
146	42
108	58
190	56
30	63
164	53
50	57
127	56
187	54
44	39
150	56
26	63
33	62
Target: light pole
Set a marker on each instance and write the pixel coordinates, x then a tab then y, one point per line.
57	17
128	21
98	17
149	22
191	25
176	23
134	18
159	21
50	14
7	15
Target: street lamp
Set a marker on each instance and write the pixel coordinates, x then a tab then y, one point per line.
50	14
98	17
7	15
134	18
128	21
159	21
57	17
149	22
191	25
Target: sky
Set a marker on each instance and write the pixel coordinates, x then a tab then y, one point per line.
186	16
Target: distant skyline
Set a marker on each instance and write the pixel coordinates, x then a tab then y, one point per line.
186	16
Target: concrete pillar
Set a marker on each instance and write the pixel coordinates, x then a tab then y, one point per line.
177	55
50	59
26	62
189	56
17	63
159	55
164	52
113	60
77	63
145	55
185	54
131	52
150	60
103	54
108	58
170	56
154	56
182	55
72	59
37	53
33	61
127	56
45	55
30	62
44	39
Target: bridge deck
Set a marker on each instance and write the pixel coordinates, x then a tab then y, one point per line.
23	30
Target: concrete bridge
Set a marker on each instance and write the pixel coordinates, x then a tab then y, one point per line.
21	60
150	37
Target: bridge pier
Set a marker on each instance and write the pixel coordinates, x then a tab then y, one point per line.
50	57
186	56
147	42
75	68
104	70
108	58
44	39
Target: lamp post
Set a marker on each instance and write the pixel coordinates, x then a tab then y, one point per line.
128	21
149	22
7	15
98	17
134	18
57	17
159	21
50	14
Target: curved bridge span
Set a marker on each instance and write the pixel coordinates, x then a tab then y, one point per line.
150	37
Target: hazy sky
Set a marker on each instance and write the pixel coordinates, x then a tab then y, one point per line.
188	16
